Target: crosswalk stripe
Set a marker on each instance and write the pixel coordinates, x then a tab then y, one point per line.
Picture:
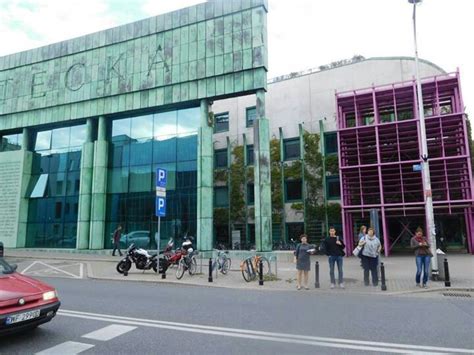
109	332
66	348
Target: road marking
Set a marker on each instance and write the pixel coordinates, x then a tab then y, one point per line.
66	348
109	332
53	269
268	336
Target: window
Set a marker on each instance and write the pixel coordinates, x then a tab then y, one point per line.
250	194
294	231
291	148
333	188
40	187
10	142
293	190
251	115
221	122
330	143
221	196
250	154
220	158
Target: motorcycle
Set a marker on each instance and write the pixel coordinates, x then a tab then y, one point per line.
142	260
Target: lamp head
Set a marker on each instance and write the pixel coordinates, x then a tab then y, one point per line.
414	1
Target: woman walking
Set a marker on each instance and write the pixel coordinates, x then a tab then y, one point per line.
423	256
370	256
303	263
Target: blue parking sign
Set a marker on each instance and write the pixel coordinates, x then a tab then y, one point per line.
161	177
161	206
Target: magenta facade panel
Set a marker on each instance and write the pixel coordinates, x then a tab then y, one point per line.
379	144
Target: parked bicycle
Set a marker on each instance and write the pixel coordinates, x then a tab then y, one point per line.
250	267
222	262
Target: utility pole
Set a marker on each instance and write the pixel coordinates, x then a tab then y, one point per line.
424	155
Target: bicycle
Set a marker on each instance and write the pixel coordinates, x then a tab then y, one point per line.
250	267
222	262
187	262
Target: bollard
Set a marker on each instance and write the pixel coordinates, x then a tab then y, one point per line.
382	272
316	275
260	273
210	270
447	281
125	272
1	250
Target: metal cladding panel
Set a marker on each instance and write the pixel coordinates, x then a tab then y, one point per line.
197	52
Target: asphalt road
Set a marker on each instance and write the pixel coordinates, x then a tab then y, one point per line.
143	318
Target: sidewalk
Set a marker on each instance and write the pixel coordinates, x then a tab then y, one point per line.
399	270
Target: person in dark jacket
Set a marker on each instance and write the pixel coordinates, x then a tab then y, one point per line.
423	256
333	246
116	238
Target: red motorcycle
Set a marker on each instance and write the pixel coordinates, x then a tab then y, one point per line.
173	256
184	258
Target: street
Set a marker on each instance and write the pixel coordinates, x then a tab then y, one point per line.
105	317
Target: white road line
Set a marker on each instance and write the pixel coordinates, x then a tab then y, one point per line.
60	270
270	336
66	348
29	267
109	332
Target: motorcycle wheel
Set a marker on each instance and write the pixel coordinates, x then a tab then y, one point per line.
225	266
192	266
123	265
180	270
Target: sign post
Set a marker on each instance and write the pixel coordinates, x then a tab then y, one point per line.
160	203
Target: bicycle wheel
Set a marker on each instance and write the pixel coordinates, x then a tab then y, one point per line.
225	266
266	266
180	269
192	268
247	271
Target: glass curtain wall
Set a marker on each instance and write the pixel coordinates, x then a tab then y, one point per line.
54	188
140	145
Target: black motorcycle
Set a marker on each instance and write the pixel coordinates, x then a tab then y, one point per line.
142	260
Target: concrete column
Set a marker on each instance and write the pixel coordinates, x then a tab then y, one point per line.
99	187
85	190
27	166
263	200
205	181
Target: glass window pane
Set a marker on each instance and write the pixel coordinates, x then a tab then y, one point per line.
188	120
43	140
251	115
74	160
293	190
221	122
142	127
250	156
58	161
292	148
141	152
187	147
221	197
164	149
140	178
73	184
11	142
333	187
220	158
60	138
121	129
78	136
330	143
40	187
117	180
250	194
120	154
186	175
165	123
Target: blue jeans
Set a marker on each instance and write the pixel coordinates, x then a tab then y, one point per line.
422	264
332	260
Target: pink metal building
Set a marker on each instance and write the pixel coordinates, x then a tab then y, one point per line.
379	150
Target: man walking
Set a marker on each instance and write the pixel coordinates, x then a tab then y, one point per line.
334	249
116	238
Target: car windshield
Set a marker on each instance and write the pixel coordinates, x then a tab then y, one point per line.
5	268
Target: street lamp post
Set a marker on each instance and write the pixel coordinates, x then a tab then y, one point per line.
424	155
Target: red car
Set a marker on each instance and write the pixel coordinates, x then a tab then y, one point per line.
25	303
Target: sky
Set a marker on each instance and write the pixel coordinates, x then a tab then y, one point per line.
302	34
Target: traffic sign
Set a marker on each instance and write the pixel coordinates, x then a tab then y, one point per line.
161	206
161	178
160	192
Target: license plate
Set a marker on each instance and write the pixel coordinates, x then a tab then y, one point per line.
22	317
